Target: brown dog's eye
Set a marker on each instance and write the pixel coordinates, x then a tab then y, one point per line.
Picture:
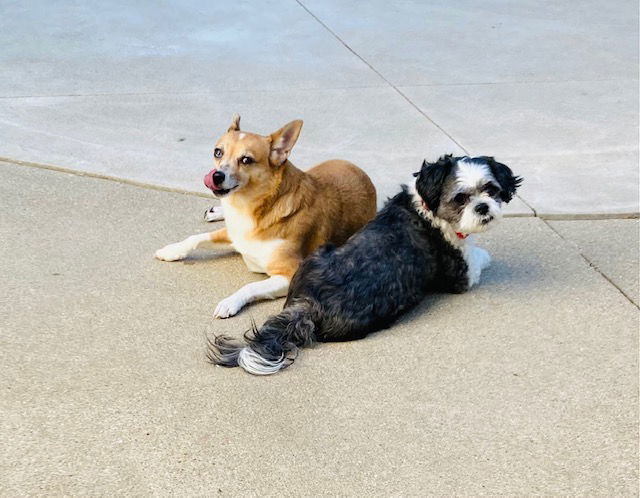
217	153
246	160
460	198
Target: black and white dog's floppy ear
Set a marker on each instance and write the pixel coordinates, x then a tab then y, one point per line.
505	177
431	178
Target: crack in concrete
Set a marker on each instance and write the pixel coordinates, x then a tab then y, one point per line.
415	106
138	184
152	186
202	93
398	91
98	176
521	82
590	263
535	213
309	89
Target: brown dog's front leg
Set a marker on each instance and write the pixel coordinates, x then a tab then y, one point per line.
284	263
180	250
219	237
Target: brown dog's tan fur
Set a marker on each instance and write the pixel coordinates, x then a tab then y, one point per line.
278	214
326	204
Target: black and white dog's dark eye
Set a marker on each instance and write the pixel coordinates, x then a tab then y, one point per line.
491	189
246	160
217	153
460	198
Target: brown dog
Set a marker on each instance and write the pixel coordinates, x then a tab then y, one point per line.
275	213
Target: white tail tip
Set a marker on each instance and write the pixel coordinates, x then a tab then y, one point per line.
255	364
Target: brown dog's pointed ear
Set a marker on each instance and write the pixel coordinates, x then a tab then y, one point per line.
283	140
235	123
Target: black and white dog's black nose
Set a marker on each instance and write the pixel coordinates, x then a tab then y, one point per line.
482	208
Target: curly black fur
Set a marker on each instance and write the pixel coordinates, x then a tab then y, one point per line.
431	177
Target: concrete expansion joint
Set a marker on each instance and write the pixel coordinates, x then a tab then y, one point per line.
150	186
381	76
591	263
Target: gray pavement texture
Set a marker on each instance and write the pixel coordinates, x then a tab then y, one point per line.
140	90
527	385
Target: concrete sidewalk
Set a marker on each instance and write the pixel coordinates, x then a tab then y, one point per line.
140	90
528	385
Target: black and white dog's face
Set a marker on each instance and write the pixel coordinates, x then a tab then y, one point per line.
466	192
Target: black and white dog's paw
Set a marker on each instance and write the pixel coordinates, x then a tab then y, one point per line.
482	257
477	260
214	213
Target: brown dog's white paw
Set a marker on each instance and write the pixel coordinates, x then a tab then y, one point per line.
214	213
172	252
228	307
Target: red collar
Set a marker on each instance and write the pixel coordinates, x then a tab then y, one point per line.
460	235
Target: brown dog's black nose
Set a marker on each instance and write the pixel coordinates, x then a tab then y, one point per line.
482	208
217	177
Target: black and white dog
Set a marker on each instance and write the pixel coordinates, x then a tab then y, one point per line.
418	243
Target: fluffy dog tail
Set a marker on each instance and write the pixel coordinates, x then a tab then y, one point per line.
270	348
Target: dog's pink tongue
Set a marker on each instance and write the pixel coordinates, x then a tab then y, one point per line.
208	181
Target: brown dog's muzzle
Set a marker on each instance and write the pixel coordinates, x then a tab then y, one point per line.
214	179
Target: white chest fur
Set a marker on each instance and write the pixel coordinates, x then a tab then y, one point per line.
240	226
477	259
